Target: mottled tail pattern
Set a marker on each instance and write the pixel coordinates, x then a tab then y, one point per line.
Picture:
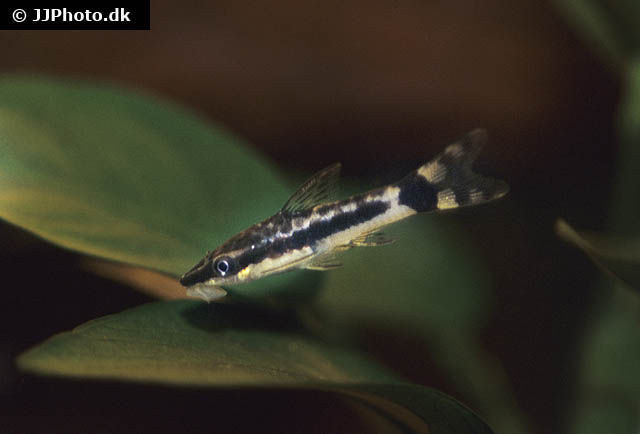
447	181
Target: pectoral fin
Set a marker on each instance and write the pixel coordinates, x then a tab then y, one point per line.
372	239
287	266
324	262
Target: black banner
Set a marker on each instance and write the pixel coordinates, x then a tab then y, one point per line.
61	15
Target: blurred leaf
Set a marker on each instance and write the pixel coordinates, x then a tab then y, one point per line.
192	343
625	209
592	19
610	382
604	413
125	177
627	18
613	352
609	379
618	256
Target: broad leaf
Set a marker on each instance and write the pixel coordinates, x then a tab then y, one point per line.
112	174
189	342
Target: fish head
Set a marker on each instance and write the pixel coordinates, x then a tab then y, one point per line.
217	268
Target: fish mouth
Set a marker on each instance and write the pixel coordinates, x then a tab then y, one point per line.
198	274
206	292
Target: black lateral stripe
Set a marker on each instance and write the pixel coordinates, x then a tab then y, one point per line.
418	193
315	232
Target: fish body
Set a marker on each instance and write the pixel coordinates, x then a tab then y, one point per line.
308	231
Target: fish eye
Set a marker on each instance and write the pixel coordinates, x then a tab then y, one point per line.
222	266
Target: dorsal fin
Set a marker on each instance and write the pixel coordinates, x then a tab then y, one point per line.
316	190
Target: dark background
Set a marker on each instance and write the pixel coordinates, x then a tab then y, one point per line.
381	86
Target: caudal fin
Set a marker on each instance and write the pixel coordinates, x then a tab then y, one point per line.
447	181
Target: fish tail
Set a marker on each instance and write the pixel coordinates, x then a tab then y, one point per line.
447	181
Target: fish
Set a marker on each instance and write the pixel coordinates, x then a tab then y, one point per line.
309	231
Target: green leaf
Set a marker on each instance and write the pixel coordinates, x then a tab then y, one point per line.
125	177
617	256
192	343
